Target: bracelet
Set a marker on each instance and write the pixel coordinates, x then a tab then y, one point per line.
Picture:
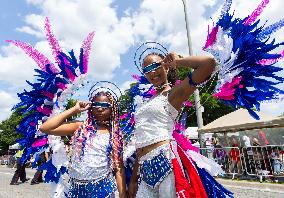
190	81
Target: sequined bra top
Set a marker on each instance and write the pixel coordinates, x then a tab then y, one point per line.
94	163
154	121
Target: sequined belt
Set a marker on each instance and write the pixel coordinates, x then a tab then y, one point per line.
156	165
104	187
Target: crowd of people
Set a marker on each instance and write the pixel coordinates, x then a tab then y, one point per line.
247	157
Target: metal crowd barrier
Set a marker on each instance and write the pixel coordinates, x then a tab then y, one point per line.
249	162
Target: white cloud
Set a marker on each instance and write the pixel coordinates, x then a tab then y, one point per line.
6	103
35	24
275	108
15	66
71	22
159	20
126	85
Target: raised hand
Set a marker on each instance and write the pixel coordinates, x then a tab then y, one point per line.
82	106
170	60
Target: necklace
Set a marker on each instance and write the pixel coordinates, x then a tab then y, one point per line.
161	87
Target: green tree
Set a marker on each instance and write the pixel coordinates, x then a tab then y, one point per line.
8	134
213	108
71	103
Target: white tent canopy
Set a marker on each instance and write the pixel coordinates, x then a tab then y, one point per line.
191	132
241	120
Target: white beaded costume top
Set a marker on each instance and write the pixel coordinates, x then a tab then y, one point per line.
154	121
94	163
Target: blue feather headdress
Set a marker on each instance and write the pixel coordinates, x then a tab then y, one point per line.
47	96
243	49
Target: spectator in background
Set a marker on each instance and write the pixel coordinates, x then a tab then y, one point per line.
219	154
247	156
262	137
43	157
209	148
277	161
20	171
258	155
235	157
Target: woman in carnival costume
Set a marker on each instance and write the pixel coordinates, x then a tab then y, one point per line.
96	147
166	164
160	159
97	142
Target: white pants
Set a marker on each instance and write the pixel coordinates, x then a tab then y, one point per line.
166	189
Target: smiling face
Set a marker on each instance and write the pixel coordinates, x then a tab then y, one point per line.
101	108
156	76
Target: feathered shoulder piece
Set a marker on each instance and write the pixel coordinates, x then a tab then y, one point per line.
54	83
246	59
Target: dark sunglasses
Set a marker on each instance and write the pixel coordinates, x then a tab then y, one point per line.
153	66
104	105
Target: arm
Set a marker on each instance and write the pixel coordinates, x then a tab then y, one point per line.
57	125
132	189
46	156
203	67
120	179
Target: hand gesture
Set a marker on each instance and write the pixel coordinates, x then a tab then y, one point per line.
170	60
82	106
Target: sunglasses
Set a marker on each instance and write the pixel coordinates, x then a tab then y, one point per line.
153	66
104	105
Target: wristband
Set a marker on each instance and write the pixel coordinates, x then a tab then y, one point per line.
190	81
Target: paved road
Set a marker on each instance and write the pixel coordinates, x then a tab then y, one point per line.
245	189
242	189
23	189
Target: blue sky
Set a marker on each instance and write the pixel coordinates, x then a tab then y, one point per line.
120	25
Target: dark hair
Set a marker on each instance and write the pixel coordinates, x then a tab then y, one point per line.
117	140
172	74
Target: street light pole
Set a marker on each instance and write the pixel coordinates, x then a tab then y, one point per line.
198	106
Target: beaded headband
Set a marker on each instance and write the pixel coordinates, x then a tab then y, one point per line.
145	49
105	86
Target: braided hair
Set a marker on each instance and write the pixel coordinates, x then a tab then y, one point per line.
89	128
116	134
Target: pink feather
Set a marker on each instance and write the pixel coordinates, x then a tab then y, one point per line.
271	61
184	143
86	50
228	89
44	110
136	77
48	94
70	75
38	57
56	49
123	116
255	14
211	37
152	92
40	142
61	86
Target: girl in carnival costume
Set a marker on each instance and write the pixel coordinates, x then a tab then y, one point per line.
166	164
96	146
96	141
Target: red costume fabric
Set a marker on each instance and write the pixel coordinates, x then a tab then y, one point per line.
187	188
